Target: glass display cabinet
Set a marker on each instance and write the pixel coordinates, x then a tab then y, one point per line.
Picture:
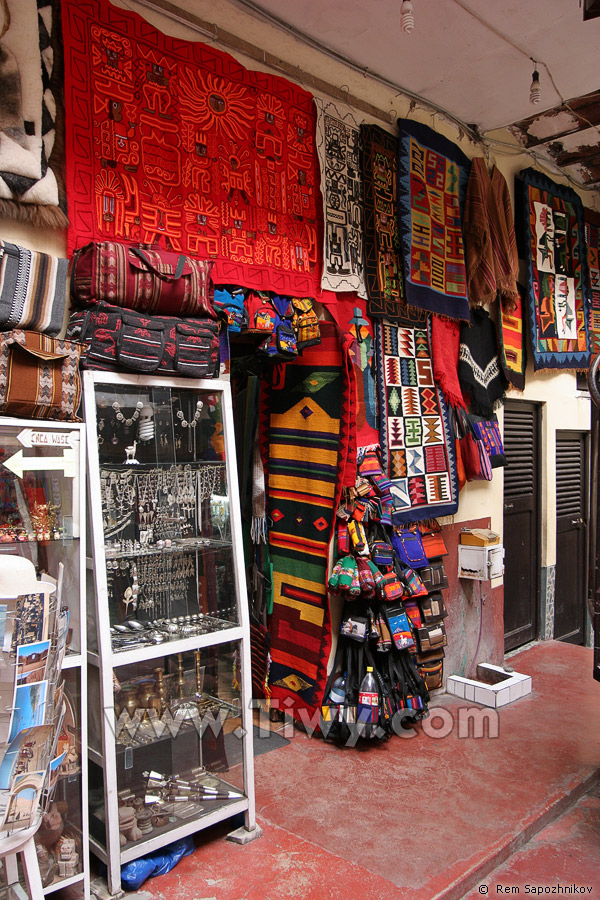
42	518
170	732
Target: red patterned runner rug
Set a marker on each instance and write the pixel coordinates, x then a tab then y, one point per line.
512	345
177	139
592	242
304	437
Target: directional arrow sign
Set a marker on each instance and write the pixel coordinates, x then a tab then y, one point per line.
19	463
30	438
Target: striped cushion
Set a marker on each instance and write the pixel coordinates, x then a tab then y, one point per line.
33	289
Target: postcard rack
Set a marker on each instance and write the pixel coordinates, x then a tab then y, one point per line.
43	683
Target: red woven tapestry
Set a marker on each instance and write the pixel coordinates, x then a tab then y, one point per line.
174	139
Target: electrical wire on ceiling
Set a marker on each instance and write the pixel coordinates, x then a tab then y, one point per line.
536	62
217	35
468	130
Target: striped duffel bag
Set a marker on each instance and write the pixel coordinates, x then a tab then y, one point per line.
120	339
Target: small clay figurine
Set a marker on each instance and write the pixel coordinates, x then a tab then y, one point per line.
128	829
47	864
67	857
130	452
53	823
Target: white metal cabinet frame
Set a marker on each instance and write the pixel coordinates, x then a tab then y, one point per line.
107	660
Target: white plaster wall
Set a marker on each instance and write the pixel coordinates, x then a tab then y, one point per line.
562	406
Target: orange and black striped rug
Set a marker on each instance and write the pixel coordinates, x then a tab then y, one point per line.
305	429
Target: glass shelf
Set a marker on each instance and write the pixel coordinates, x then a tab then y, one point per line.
168	637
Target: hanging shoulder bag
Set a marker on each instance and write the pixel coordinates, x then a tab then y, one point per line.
39	376
408	547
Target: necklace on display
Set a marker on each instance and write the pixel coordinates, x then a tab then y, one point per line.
134	416
194	421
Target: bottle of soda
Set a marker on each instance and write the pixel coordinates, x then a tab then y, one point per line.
337	695
368	705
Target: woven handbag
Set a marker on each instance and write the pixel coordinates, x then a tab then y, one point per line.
488	431
433	607
431	637
39	376
432	674
400	628
408	547
148	280
434	576
432	538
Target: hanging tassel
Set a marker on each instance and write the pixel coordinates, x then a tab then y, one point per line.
267	687
258	530
235	681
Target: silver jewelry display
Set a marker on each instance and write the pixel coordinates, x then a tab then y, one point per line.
134	416
194	421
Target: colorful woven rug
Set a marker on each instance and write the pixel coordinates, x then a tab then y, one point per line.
304	440
350	313
557	285
383	266
338	146
417	447
177	139
432	181
512	345
31	151
592	241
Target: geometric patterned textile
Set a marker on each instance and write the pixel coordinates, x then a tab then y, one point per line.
31	113
383	265
592	241
432	181
511	341
417	447
176	140
557	284
303	442
338	147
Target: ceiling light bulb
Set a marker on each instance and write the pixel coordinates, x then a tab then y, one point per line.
535	91
407	17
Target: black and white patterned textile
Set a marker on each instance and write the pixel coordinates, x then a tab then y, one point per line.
29	58
338	146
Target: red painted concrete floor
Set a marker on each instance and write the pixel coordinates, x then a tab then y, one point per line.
426	816
565	854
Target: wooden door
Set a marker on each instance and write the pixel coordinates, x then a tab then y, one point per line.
521	523
594	538
571	524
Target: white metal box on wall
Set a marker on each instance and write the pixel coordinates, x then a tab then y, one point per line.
480	563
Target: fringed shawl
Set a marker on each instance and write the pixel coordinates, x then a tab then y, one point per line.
445	341
489	235
481	378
